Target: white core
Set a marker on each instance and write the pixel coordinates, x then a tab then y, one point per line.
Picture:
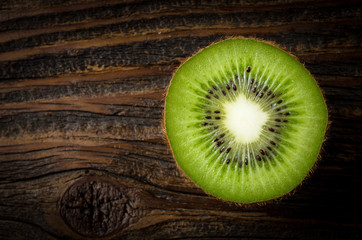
244	119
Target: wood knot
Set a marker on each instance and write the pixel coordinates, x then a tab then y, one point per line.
93	207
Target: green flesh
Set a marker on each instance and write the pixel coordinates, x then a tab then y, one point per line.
296	125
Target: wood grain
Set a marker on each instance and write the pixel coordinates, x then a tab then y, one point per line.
81	101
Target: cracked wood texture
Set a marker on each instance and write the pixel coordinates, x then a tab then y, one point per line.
82	150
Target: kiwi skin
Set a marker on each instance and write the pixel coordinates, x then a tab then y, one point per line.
259	203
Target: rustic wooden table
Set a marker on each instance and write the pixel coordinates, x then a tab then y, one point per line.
82	151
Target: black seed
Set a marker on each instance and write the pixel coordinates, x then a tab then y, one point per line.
207	96
278	120
240	164
269	148
287	113
227	86
248	69
273	96
216	96
256	94
278	109
204	123
223	92
222	149
262	151
222	135
280	114
216	127
218	144
266	88
228	161
269	93
211	124
252	81
208	111
271	129
236	76
214	87
266	154
285	120
272	143
216	111
254	89
277	125
216	139
234	87
217	118
258	157
280	101
261	95
208	117
210	91
228	150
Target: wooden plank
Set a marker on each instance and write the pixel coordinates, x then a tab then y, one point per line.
82	147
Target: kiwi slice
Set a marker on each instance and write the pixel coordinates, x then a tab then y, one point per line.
245	120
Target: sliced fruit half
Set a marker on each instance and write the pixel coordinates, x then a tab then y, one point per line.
245	120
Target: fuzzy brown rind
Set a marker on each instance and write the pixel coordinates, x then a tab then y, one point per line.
264	202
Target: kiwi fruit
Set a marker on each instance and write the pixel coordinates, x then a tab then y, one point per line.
245	120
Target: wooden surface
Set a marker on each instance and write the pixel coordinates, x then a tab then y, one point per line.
81	98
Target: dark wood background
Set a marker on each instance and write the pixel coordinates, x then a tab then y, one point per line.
82	150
